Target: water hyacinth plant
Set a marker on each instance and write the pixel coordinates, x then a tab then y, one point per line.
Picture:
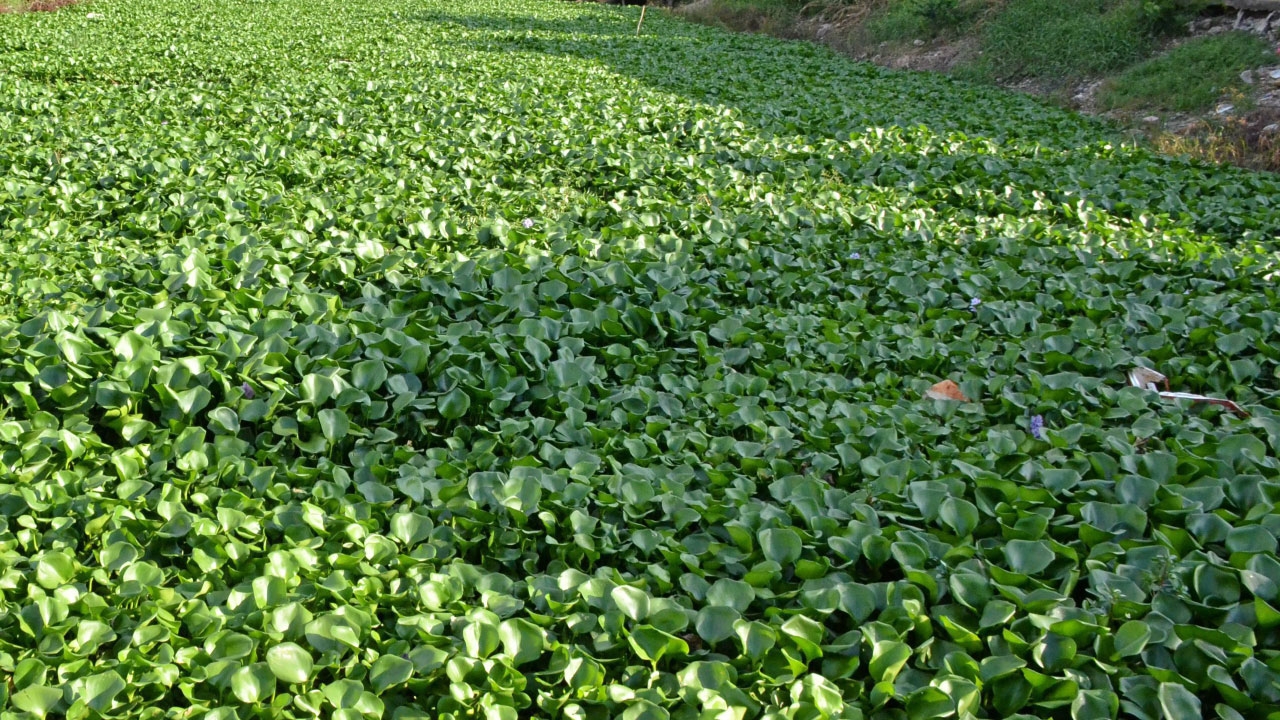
296	421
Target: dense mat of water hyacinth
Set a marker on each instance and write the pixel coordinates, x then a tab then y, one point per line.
427	359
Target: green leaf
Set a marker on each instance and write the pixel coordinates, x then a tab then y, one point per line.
334	424
972	590
781	545
228	645
37	700
716	623
369	375
388	671
644	710
317	389
253	683
929	702
522	641
731	593
960	515
1097	704
1055	652
632	601
54	569
756	637
290	663
652	644
454	404
98	691
1233	343
998	666
888	657
819	692
224	420
1131	638
1178	703
1216	586
1251	539
481	638
344	694
1028	557
194	400
583	673
537	349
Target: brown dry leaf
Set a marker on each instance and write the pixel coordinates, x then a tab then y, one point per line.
946	390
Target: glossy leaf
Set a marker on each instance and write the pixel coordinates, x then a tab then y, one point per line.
290	663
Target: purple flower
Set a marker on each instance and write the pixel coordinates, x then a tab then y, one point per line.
1037	427
248	391
855	256
527	223
973	303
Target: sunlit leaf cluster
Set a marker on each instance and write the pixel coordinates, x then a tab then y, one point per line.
478	358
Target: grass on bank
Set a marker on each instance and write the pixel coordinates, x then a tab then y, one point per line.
1192	76
920	19
1059	40
1062	39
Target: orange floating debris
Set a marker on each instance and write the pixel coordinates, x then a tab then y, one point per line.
946	390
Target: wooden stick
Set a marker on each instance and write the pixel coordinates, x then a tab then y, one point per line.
642	9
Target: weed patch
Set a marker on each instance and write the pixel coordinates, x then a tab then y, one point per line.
1063	39
1192	76
912	19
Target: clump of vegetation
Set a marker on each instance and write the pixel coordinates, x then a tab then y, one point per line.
1192	76
22	6
1063	40
901	20
416	359
1164	17
771	17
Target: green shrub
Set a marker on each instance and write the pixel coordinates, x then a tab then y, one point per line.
1192	76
